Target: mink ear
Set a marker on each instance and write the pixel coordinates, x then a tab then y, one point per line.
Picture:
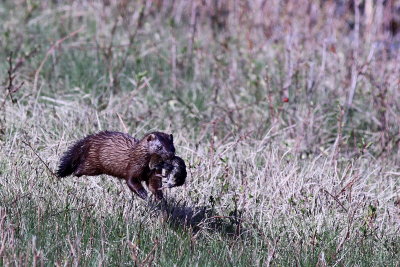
171	137
151	137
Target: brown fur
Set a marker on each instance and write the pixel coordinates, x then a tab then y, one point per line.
119	155
154	176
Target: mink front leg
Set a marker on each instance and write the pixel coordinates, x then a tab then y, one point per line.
136	187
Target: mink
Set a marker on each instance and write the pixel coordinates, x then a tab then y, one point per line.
119	155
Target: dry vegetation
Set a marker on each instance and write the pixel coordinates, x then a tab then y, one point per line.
287	114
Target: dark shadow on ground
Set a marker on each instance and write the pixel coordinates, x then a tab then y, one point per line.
179	215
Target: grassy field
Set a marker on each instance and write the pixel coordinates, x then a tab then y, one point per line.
288	124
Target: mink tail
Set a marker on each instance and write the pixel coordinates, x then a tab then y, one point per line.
71	159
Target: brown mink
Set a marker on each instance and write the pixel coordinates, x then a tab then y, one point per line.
119	155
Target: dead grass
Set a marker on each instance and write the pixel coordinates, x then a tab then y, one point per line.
311	179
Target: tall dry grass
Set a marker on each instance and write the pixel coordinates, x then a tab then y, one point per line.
286	113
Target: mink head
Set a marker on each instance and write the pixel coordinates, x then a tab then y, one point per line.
161	144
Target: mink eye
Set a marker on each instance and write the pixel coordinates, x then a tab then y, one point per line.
159	147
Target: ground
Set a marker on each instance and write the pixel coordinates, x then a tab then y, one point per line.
288	124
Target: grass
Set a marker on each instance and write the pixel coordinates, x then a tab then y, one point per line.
311	181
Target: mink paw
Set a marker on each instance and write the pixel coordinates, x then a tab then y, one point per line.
142	193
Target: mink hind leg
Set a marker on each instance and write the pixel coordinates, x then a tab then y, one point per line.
137	188
83	169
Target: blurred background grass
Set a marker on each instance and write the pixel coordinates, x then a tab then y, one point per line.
286	112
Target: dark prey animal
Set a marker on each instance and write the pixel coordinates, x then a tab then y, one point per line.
119	155
171	171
